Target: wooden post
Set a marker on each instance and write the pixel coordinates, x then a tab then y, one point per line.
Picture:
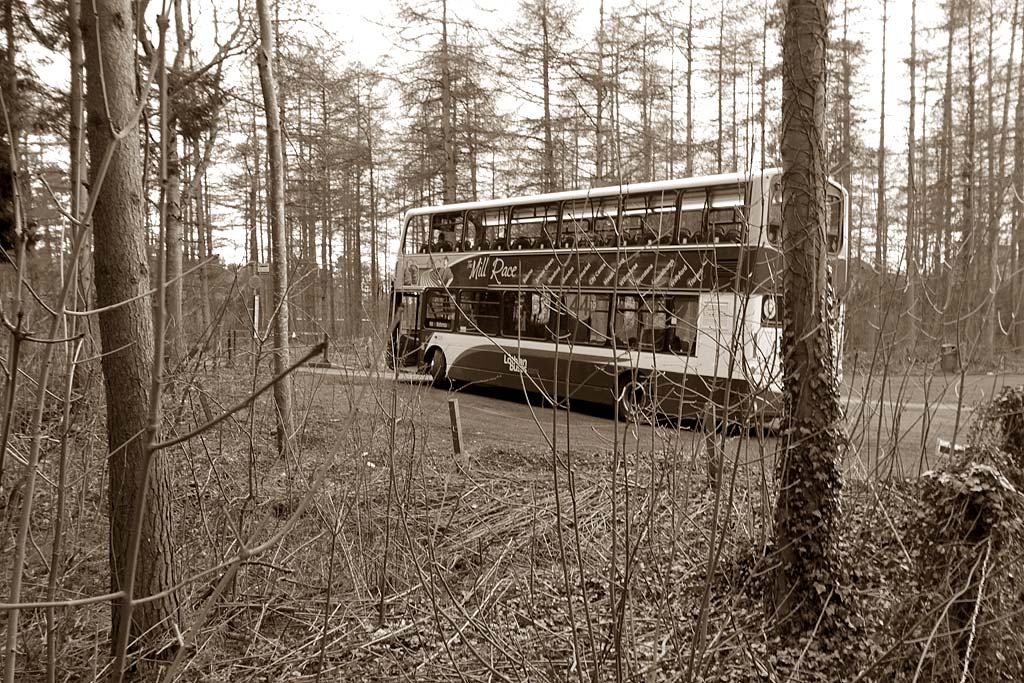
456	424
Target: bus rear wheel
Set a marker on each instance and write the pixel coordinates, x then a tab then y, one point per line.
635	401
438	369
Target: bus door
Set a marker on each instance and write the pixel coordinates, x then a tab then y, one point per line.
405	332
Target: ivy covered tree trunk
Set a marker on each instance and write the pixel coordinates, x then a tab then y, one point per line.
807	512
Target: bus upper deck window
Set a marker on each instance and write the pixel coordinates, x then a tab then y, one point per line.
415	235
475	232
727	217
690	223
489	232
445	232
576	220
605	226
533	227
658	226
632	225
691	217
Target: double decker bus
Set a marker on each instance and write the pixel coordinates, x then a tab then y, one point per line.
662	298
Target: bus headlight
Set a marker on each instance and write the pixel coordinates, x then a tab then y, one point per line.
770	310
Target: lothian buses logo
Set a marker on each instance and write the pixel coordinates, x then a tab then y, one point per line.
492	269
515	363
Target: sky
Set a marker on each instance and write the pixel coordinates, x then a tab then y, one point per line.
361	26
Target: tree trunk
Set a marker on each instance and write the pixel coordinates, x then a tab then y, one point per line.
1000	182
447	132
926	209
126	332
355	259
76	139
549	145
992	261
689	91
1017	231
966	286
173	252
174	243
846	149
203	232
881	218
646	106
764	85
600	92
946	155
807	511
911	246
279	259
672	104
718	89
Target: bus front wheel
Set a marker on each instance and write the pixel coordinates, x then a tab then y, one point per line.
438	369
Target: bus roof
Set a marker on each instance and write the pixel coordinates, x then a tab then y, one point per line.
723	179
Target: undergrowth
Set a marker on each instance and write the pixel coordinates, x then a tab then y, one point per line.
412	564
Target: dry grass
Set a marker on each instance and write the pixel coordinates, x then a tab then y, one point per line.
410	564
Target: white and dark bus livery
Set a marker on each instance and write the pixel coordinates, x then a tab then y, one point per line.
660	297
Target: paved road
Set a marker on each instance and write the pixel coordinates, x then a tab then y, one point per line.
894	425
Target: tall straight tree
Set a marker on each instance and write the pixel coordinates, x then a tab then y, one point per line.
911	246
967	260
946	152
451	178
1017	197
534	45
807	511
126	329
882	218
275	200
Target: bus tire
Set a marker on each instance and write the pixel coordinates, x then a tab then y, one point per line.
634	400
389	353
438	368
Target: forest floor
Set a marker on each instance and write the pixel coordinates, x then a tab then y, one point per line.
515	561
